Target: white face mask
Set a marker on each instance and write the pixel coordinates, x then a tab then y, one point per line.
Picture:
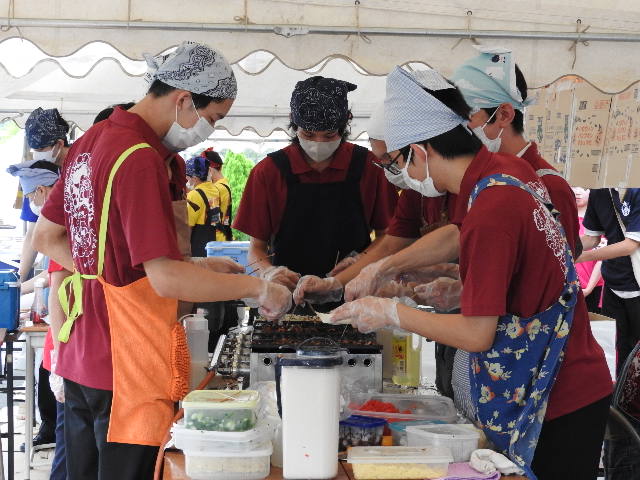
425	187
48	156
397	180
493	145
36	209
319	151
179	138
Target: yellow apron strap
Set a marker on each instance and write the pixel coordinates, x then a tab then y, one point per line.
76	278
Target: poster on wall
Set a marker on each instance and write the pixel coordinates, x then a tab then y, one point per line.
588	132
621	166
535	116
557	134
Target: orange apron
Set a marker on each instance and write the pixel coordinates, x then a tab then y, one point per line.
149	350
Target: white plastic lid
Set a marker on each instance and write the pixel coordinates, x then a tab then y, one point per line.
222	399
180	433
451	431
400	455
264	451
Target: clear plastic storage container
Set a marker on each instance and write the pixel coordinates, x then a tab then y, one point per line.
359	431
399	463
398	430
409	407
253	465
206	441
461	440
221	410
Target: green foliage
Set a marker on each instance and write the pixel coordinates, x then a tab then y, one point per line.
236	170
7	130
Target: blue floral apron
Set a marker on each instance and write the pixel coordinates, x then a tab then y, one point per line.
511	381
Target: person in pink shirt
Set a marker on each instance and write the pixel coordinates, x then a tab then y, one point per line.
591	280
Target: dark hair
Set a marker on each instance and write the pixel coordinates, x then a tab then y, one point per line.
518	120
160	89
46	165
106	113
344	131
215	160
457	141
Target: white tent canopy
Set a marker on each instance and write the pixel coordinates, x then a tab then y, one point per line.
375	34
264	86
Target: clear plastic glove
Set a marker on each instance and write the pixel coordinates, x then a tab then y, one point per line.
218	264
273	301
431	273
369	314
317	290
343	264
56	382
443	294
394	289
368	281
281	275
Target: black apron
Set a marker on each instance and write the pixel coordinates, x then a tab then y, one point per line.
322	222
213	221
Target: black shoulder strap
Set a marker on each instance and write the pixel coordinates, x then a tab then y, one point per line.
229	209
284	165
357	164
207	208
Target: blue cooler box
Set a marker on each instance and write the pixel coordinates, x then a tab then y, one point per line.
9	299
237	251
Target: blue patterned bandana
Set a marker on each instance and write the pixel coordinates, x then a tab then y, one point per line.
31	177
320	104
489	80
196	68
411	113
44	128
197	167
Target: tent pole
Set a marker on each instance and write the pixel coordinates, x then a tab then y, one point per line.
295	30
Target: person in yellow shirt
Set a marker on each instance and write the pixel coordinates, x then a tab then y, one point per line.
209	202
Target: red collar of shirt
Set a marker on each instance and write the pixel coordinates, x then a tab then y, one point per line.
474	173
133	121
299	165
533	157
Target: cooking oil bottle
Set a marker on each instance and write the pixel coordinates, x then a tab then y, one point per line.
406	358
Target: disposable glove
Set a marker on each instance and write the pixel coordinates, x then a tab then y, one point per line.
367	282
430	273
273	301
218	264
443	294
281	275
56	382
317	290
343	264
369	314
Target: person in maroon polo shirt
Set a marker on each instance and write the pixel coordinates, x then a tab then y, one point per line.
311	204
117	234
523	315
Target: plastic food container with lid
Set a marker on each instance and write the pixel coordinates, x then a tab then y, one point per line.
398	430
206	441
359	431
253	465
409	407
461	440
399	463
221	410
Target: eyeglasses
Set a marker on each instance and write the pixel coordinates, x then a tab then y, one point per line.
392	165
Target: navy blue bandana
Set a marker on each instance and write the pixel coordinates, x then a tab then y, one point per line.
319	104
44	127
197	167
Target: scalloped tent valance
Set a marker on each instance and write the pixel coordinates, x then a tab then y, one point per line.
549	36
